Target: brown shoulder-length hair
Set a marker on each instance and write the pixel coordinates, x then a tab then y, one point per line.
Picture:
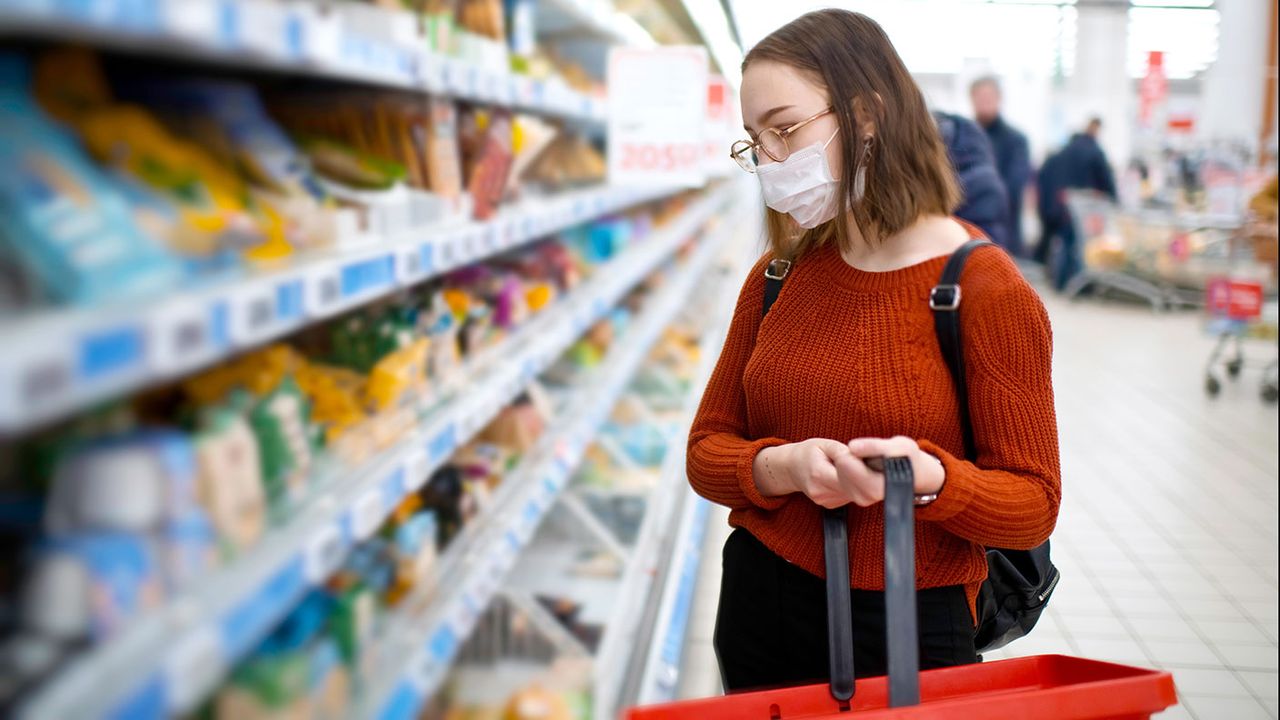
908	173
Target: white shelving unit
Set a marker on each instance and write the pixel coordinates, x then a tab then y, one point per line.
651	565
169	660
61	361
67	359
477	563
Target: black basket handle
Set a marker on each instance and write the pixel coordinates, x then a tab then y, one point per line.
900	591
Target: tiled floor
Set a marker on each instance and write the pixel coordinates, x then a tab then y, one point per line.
1168	534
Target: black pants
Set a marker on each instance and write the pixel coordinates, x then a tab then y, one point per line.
771	629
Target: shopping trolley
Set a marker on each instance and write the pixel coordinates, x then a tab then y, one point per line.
1240	303
1049	687
1108	255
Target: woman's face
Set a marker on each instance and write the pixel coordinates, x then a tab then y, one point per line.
778	96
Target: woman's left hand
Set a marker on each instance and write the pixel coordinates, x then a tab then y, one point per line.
927	469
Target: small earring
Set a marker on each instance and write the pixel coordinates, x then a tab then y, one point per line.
860	178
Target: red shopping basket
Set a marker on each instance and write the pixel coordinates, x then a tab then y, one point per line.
1045	687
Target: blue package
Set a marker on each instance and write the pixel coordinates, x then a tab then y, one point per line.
123	576
189	546
64	219
303	623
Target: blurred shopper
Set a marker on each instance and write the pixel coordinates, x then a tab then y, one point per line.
845	368
1081	165
985	203
1050	206
1012	156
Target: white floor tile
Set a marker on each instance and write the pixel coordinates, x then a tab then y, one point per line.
1205	681
1092	625
1120	650
1202	609
1265	685
1226	708
1148	628
1177	712
1175	653
1240	632
1249	657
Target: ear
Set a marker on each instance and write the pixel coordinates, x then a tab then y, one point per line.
866	116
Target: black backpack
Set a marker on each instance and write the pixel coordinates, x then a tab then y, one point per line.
1019	582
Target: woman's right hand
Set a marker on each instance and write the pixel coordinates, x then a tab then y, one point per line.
825	470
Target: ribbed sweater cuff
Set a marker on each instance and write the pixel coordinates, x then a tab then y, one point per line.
957	490
746	474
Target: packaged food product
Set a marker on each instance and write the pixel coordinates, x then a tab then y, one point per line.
67	223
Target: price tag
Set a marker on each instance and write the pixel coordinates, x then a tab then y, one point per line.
193	20
458	77
368	276
181	336
193	666
447	252
657	115
227	24
417	467
323	290
443	443
322	35
253	313
262	28
464	617
443	643
473	244
367	513
324	552
42	376
433	71
412	264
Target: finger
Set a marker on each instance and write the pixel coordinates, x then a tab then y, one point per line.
848	467
833	449
898	446
868	447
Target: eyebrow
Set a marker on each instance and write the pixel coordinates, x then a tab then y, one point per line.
765	118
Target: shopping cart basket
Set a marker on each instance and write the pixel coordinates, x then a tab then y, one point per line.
1114	252
1237	309
1049	687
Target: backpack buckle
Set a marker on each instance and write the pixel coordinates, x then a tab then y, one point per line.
777	269
944	297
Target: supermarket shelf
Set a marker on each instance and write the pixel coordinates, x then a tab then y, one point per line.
475	565
63	360
166	662
662	665
624	635
645	658
345	42
597	18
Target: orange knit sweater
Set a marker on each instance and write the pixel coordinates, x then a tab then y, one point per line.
846	353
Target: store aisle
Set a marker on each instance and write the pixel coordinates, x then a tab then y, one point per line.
1168	535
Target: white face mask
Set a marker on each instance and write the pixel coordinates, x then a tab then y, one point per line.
802	186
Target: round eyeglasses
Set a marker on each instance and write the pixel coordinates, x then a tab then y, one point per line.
771	141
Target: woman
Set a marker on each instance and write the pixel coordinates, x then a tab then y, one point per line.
845	368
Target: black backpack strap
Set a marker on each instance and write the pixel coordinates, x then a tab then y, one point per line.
944	301
774	273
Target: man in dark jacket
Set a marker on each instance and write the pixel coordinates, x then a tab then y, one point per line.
1081	165
1013	158
1085	165
985	203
